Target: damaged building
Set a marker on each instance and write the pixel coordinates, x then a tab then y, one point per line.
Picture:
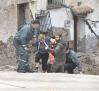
53	17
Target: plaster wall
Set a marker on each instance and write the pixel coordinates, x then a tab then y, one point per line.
80	35
58	17
8	19
86	37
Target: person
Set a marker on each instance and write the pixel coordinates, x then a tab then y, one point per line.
72	61
24	34
43	54
59	54
51	57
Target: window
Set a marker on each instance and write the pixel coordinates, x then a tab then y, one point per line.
54	4
49	1
67	23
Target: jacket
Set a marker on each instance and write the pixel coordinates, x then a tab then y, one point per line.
59	51
75	60
24	34
46	42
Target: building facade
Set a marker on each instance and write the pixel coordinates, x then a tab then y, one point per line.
14	13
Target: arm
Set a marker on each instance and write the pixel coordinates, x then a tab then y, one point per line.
23	36
56	50
77	62
35	43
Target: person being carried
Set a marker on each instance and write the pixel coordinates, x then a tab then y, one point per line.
43	54
72	62
24	34
51	57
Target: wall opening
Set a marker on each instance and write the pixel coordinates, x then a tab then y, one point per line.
23	14
45	21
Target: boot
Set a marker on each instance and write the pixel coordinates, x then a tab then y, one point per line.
21	71
21	67
27	68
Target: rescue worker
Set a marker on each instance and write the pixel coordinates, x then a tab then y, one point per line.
59	55
24	34
72	61
43	54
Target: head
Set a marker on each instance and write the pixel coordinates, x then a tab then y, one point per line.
35	24
67	50
53	41
41	37
57	37
60	36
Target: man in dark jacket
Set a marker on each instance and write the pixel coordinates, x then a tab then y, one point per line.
24	34
59	55
72	61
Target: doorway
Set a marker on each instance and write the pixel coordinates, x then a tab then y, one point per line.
79	34
23	14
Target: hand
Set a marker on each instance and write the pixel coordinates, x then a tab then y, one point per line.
34	39
46	48
81	73
26	48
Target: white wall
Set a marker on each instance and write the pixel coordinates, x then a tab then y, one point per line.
58	16
80	29
38	5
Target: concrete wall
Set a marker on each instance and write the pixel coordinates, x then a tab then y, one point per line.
8	19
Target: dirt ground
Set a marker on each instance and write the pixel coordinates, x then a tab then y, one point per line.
9	57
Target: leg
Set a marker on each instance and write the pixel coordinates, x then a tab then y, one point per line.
54	67
61	67
69	67
44	61
37	58
48	67
23	56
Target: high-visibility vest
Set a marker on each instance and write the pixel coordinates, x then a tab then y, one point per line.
52	46
51	58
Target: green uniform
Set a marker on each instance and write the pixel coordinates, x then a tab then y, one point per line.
59	54
24	34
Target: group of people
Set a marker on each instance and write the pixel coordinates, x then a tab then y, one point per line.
64	58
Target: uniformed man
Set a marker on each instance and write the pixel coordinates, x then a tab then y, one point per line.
59	55
24	34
